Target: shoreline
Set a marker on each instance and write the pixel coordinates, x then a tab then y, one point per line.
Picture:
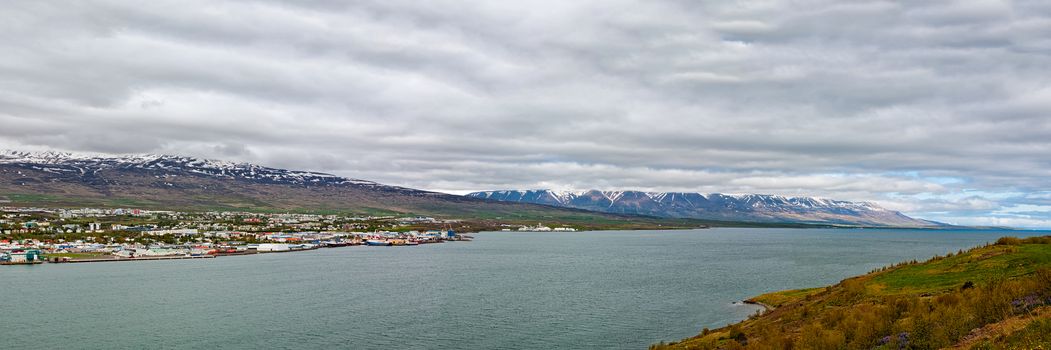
766	308
206	256
133	259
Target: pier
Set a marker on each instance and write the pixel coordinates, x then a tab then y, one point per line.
70	261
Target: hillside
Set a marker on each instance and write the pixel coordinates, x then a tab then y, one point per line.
186	183
992	297
752	207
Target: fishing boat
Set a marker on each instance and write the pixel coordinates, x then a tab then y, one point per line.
377	242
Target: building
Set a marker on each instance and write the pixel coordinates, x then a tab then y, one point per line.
28	256
177	232
270	247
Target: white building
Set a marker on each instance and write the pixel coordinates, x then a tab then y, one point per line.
270	247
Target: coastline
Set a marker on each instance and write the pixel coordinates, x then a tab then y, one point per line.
900	304
766	308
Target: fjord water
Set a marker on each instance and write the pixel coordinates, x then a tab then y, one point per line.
505	290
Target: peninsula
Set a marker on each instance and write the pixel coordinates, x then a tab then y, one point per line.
996	296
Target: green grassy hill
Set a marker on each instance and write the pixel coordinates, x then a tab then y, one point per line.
992	297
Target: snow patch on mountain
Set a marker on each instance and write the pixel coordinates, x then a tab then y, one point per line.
63	162
747	207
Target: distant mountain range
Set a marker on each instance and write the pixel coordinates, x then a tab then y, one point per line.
175	182
187	183
751	207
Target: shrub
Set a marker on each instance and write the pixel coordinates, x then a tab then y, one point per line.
818	338
738	335
1009	241
1038	240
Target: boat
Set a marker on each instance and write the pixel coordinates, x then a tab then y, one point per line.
334	244
377	242
412	243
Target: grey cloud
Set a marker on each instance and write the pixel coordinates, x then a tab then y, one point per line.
828	98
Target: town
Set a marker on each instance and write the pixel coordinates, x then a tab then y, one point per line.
39	235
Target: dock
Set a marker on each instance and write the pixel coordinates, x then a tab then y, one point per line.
21	262
134	259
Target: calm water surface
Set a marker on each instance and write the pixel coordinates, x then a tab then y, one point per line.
505	290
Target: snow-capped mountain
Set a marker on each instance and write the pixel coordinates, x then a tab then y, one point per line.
87	165
175	182
715	206
165	181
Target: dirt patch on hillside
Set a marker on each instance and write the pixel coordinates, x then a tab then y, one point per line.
1005	327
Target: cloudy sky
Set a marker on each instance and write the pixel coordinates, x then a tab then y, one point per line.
940	109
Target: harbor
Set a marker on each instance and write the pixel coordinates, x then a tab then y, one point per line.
33	236
35	252
133	259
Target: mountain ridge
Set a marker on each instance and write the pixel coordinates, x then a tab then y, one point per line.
168	182
59	178
65	161
716	206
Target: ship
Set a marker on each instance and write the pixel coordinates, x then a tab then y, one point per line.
377	242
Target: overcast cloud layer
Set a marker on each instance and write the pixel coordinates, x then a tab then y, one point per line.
937	108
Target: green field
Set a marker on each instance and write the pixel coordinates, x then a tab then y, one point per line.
998	261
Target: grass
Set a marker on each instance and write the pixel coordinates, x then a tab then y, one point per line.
998	261
778	299
991	297
48	200
1036	335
